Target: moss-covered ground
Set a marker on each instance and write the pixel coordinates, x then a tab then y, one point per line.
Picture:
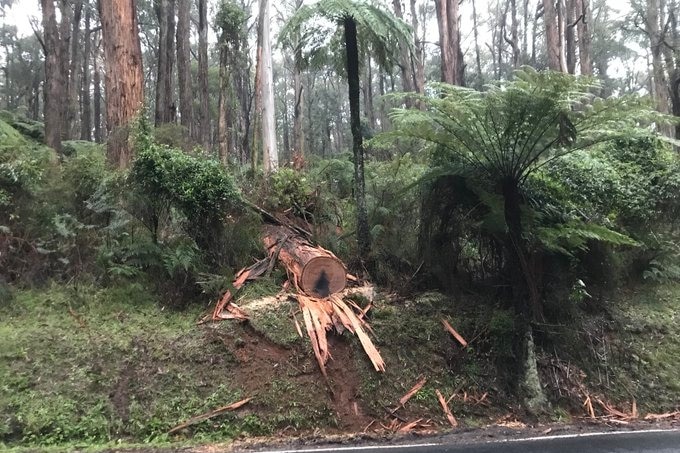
83	365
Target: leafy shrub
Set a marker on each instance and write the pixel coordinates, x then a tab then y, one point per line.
289	189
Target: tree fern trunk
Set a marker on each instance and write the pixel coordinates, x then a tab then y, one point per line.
363	237
525	297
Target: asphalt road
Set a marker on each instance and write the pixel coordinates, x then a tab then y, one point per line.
612	442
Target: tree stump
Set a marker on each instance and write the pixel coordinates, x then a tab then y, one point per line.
316	271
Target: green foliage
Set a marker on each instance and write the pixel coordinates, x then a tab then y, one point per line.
378	30
289	189
200	188
513	128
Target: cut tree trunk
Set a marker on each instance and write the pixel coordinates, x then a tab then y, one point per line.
316	271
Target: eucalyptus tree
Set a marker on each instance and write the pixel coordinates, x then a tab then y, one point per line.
124	78
382	33
500	137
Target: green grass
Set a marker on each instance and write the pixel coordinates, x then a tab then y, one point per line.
647	348
98	365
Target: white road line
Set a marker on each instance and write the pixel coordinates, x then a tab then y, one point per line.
523	439
594	434
363	447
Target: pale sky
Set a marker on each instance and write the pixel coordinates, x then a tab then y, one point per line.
19	14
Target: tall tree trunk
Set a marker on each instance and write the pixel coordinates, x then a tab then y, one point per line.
584	38
186	101
419	54
165	107
222	110
368	94
97	94
73	81
656	42
270	152
478	58
552	35
203	94
124	77
447	70
561	32
86	116
298	101
570	38
352	49
55	89
407	82
514	40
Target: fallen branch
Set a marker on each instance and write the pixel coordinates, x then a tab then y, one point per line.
415	389
668	415
455	334
209	415
447	411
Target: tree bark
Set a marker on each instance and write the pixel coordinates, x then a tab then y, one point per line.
97	95
352	53
660	92
186	101
203	94
419	54
270	153
165	106
298	97
449	41
407	82
124	78
478	58
570	36
55	89
73	81
315	270
86	99
584	38
552	35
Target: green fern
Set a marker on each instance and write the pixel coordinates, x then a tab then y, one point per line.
576	234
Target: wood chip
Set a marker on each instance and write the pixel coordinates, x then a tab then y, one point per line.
409	426
455	334
665	416
209	415
447	411
415	389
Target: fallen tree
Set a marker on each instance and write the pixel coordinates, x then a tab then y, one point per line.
318	279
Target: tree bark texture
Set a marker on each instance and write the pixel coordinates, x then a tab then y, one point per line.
352	50
570	35
97	94
270	152
449	41
55	86
186	101
656	42
315	271
203	95
407	82
73	79
552	35
419	53
124	78
165	106
85	98
584	39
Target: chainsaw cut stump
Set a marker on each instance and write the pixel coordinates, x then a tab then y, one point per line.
316	271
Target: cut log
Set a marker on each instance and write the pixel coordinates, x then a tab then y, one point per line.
314	270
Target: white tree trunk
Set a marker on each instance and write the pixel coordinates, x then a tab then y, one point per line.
269	148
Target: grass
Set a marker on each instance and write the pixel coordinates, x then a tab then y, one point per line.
85	366
94	366
647	348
